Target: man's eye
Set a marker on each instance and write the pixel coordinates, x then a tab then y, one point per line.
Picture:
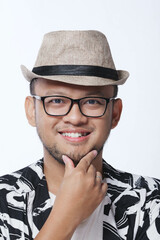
92	102
55	101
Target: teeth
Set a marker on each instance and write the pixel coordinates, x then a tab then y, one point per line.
74	135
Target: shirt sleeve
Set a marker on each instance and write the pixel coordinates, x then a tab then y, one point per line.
150	229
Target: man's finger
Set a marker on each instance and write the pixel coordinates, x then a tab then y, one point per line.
69	165
98	177
86	161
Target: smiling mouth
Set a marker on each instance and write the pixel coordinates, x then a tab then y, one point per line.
75	134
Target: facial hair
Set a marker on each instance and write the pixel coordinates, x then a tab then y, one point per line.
75	156
57	155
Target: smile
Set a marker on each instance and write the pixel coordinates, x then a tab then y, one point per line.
74	135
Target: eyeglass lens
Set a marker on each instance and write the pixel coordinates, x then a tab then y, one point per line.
89	106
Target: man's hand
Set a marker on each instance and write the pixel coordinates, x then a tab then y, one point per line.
81	190
80	193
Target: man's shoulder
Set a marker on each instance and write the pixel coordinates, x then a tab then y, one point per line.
22	180
134	203
125	180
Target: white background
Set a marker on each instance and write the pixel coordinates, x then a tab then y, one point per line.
133	31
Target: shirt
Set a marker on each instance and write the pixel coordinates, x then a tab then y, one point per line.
131	207
90	228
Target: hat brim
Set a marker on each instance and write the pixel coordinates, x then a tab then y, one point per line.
78	80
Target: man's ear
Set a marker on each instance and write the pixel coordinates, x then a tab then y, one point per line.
30	110
116	112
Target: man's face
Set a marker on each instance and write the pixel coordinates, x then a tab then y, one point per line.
74	134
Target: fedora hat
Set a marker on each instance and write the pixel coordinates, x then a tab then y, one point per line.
76	57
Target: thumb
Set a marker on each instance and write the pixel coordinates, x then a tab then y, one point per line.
69	165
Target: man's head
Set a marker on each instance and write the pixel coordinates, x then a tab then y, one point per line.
75	81
73	134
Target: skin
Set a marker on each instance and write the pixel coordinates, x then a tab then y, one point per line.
71	165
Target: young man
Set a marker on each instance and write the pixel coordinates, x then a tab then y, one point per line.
72	193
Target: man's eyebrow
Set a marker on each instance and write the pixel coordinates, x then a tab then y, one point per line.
52	92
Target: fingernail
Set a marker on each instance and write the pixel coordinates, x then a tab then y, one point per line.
95	152
67	161
64	158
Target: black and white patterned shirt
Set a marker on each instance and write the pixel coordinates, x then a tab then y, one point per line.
131	207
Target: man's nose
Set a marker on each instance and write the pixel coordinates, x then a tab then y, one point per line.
75	117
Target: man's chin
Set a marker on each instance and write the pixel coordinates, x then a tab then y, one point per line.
74	156
57	155
59	159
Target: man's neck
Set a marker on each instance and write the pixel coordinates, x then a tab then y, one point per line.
54	172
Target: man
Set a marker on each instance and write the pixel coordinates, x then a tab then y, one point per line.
72	193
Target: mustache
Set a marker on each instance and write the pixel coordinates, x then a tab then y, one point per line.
70	127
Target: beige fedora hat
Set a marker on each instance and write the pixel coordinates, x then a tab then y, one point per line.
76	57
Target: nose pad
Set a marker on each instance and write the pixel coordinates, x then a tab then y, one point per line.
75	116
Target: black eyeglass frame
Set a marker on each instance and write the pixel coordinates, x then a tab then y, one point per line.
42	98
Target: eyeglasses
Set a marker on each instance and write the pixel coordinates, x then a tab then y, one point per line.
60	105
